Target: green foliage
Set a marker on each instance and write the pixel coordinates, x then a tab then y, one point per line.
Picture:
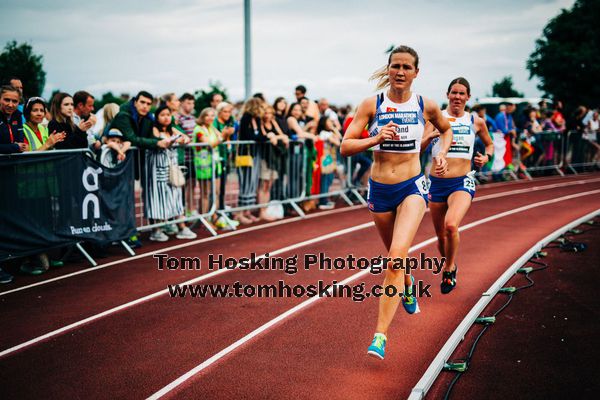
504	88
18	60
567	56
203	96
108	98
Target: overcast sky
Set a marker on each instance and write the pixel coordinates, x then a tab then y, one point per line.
332	47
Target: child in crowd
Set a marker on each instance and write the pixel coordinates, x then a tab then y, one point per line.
114	149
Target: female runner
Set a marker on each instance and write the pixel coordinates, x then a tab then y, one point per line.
450	194
397	190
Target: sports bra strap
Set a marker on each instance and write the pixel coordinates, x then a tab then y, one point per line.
421	105
472	119
379	101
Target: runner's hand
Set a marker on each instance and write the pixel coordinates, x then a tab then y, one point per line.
441	165
480	160
387	132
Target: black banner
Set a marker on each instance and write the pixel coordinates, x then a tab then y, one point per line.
51	199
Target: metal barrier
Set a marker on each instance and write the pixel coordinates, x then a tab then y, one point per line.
199	190
258	175
358	169
551	145
577	151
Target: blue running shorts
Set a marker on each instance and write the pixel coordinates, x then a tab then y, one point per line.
382	197
441	188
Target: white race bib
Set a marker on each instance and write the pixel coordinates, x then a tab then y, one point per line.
469	183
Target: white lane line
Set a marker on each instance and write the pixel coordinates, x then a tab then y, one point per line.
182	245
267	225
166	291
205	364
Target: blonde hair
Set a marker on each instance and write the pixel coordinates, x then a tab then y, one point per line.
254	107
203	114
110	110
381	75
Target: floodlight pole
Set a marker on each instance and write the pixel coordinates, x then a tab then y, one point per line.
247	50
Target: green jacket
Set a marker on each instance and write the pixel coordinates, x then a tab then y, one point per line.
136	130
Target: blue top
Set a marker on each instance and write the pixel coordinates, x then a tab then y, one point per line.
504	122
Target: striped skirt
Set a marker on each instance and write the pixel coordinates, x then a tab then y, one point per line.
161	200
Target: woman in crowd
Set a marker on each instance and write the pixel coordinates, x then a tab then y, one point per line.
451	192
40	178
205	132
248	158
173	103
108	114
398	191
36	134
164	200
61	111
271	154
280	106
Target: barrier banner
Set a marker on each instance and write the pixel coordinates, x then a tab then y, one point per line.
51	199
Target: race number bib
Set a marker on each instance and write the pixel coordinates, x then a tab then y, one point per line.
469	184
422	185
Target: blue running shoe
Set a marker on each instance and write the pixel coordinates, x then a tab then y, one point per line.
409	300
377	347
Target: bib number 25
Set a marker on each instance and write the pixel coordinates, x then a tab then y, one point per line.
469	183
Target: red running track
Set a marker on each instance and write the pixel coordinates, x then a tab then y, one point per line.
318	352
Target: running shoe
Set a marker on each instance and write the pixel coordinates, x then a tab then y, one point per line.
186	233
5	277
158	236
448	281
409	300
377	347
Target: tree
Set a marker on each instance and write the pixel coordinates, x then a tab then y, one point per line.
203	96
109	97
18	60
567	56
504	88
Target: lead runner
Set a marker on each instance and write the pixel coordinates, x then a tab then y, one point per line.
398	190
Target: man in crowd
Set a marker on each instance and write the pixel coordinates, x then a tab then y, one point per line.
329	113
312	110
12	139
136	125
83	116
